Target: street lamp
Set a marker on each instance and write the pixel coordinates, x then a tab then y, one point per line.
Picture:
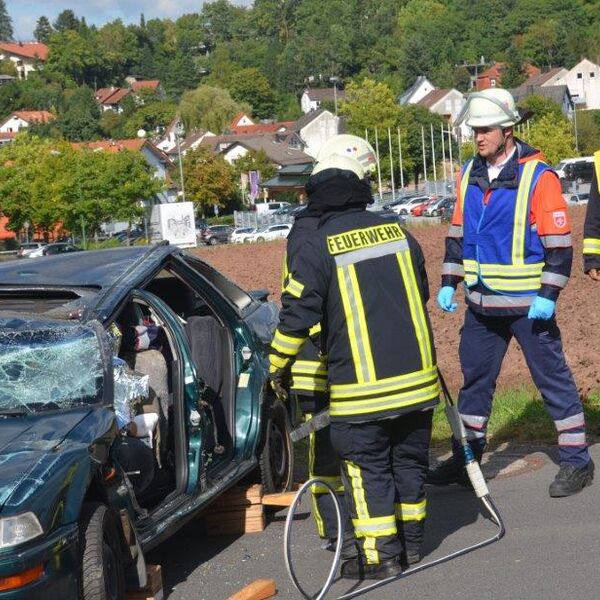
334	80
573	96
179	133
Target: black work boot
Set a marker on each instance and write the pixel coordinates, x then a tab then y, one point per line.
355	568
349	547
571	479
410	556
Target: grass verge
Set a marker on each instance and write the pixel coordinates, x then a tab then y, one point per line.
518	416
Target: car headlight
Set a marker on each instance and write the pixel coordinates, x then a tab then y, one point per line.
19	529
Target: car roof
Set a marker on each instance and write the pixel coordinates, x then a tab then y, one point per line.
95	268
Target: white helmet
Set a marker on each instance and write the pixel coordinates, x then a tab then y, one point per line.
347	152
493	107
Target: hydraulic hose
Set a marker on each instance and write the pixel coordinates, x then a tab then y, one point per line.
475	477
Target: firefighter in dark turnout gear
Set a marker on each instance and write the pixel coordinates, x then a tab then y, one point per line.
510	241
364	280
308	387
591	229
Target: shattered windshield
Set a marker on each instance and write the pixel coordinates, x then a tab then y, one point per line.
46	366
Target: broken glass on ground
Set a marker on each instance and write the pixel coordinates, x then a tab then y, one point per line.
48	365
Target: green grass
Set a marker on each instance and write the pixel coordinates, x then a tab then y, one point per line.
518	416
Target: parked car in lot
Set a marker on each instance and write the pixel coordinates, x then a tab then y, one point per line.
133	392
216	234
238	235
269	207
577	199
405	207
419	209
27	248
435	209
52	249
286	210
269	232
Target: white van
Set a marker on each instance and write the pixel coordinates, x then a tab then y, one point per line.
262	208
576	169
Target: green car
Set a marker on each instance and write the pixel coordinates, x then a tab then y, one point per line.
133	392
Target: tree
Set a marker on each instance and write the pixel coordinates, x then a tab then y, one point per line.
588	131
369	104
73	57
255	160
251	86
81	119
554	137
209	107
67	21
42	30
515	73
541	106
6	27
209	180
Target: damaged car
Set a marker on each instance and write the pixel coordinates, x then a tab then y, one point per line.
133	392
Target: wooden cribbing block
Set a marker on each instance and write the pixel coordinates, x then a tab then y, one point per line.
153	589
260	589
283	499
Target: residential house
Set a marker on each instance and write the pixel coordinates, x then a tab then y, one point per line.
557	93
448	103
111	98
312	98
282	149
315	128
22	119
242	124
190	142
26	57
492	76
6	79
583	81
418	90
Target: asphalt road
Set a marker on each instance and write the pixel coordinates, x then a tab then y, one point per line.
550	550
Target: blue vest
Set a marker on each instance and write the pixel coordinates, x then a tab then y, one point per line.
501	249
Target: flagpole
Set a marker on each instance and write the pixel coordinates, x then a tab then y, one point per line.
378	164
433	156
391	164
400	160
450	150
424	158
443	150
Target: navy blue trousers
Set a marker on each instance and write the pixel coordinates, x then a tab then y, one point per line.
483	345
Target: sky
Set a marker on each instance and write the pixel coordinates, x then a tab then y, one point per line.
24	13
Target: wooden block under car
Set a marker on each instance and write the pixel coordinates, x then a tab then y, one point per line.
237	511
260	589
153	589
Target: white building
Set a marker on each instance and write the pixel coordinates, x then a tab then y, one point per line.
313	97
26	57
417	91
22	119
583	81
315	128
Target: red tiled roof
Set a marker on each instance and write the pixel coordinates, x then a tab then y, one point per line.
28	50
112	95
261	128
151	84
112	146
238	118
35	116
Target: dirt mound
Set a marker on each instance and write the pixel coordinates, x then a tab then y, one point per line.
256	266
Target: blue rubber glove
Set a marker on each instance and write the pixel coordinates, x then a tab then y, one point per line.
444	299
541	308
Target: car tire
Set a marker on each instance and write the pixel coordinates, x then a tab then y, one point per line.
434	213
276	458
260	239
102	576
213	241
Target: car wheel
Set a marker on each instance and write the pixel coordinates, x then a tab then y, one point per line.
102	576
276	458
260	239
434	213
213	241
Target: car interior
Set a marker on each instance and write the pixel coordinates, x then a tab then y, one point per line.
149	348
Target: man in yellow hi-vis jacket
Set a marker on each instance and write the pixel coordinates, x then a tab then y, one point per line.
363	279
591	230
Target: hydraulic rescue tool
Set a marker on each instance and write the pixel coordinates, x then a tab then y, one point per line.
475	476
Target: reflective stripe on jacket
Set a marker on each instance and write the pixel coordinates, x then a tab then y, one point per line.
365	278
500	247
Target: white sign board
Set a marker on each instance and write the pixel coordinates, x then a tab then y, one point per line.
174	222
